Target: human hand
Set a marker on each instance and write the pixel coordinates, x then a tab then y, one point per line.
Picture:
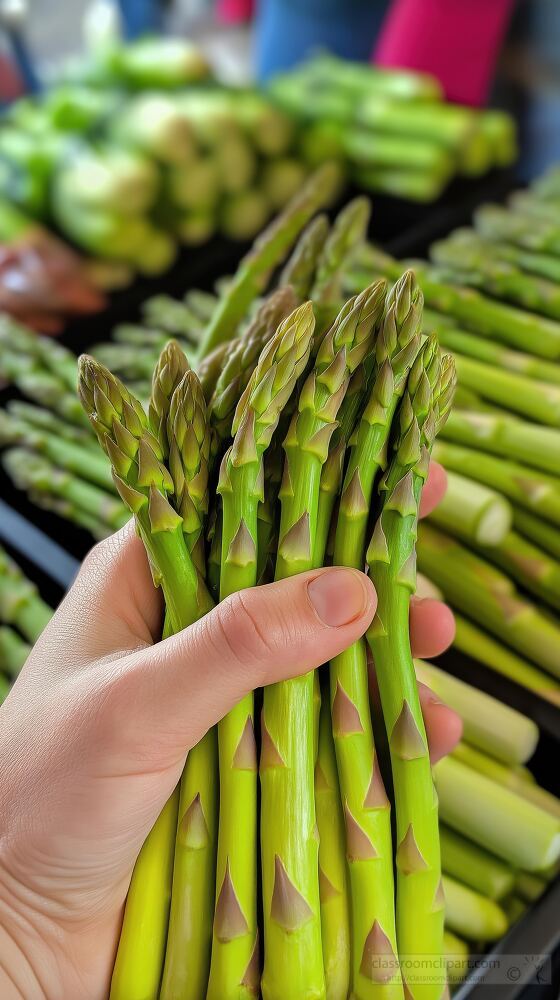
95	732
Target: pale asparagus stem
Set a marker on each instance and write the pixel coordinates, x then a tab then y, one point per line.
489	597
508	776
366	805
471	914
473	511
507	436
391	558
20	603
144	484
495	817
533	568
234	971
293	951
170	367
474	866
267	252
538	531
488	724
299	270
333	879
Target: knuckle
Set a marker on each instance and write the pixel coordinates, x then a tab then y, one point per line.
243	631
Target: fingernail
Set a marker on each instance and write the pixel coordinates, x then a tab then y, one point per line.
338	596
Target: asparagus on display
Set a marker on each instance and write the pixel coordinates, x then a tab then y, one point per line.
491	726
20	603
473	511
489	597
474	866
13	653
471	914
533	568
540	532
506	436
299	269
521	782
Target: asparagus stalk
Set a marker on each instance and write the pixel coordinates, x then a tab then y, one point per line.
514	908
471	914
488	724
47	421
515	327
529	886
242	361
538	401
41	386
175	317
65	454
366	805
508	437
234	968
268	251
472	641
533	568
333	879
489	597
527	788
473	511
170	368
34	472
537	530
391	558
20	603
469	345
456	952
542	265
495	817
537	491
209	368
13	651
474	866
467	266
71	512
202	304
299	269
144	483
494	222
289	866
348	232
50	354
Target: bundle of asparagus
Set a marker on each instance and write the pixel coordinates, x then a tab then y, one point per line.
391	129
23	616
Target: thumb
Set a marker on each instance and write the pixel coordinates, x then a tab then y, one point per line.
187	683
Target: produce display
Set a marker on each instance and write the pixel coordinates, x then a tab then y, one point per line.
23	616
391	129
303	441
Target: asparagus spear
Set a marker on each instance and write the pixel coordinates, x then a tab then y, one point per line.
293	954
299	269
480	646
20	603
50	354
538	401
366	805
13	651
333	879
533	568
473	511
489	724
168	372
511	777
41	386
507	436
467	266
391	559
495	817
210	366
487	317
174	317
267	252
241	362
468	344
471	914
348	232
34	472
489	597
495	222
71	512
537	530
540	264
46	420
65	454
202	304
456	952
144	483
534	490
474	866
235	947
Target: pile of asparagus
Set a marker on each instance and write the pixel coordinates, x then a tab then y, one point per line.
391	129
493	545
23	616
